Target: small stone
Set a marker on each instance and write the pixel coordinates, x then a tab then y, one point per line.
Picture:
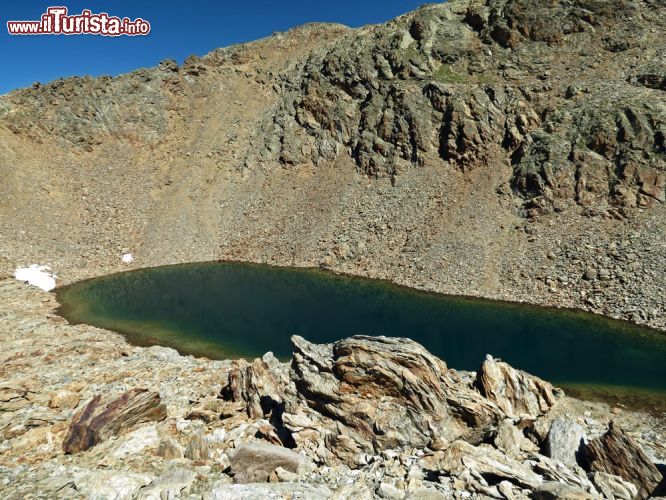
197	448
137	441
255	462
64	399
171	484
604	274
590	274
612	486
169	449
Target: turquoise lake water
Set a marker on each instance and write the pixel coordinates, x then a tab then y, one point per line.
221	310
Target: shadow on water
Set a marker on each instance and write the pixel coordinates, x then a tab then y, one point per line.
220	310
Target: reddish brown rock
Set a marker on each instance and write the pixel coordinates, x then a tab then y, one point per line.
616	453
99	420
259	385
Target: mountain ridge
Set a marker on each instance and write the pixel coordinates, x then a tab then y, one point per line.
481	148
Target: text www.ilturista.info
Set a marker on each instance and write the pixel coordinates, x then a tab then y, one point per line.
55	21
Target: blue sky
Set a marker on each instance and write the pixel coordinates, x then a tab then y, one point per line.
178	29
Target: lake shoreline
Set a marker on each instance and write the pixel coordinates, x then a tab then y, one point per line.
595	340
84	361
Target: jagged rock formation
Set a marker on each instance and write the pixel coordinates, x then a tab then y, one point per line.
516	393
366	395
615	453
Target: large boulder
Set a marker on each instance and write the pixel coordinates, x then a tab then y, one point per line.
389	393
617	454
102	418
565	441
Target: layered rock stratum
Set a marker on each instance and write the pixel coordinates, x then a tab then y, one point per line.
501	148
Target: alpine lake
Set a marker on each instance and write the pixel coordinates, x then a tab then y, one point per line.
225	310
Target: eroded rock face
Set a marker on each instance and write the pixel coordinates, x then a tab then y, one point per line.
440	84
365	394
617	454
517	393
99	420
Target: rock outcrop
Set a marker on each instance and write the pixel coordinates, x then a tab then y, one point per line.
451	82
617	454
350	400
362	395
99	420
517	393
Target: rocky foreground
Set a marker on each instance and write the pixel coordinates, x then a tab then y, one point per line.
84	414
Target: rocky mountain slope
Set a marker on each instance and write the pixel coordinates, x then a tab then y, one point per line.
501	148
488	148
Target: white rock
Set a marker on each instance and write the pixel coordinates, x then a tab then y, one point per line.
217	436
36	275
110	484
137	441
169	485
564	441
267	491
127	258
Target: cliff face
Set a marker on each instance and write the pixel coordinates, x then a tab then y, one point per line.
570	94
500	148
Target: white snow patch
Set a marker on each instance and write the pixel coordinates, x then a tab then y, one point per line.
36	275
127	258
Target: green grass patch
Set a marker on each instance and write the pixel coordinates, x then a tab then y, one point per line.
445	74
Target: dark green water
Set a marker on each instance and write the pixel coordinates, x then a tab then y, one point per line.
224	309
